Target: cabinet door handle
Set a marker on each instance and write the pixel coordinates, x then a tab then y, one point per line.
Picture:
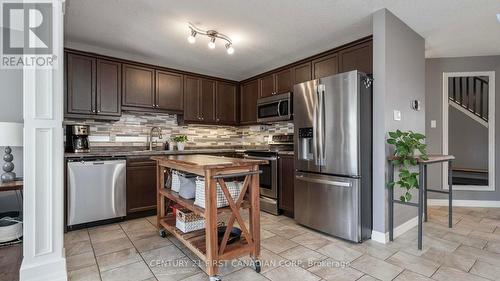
98	111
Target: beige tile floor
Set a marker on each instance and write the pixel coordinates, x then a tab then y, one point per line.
132	250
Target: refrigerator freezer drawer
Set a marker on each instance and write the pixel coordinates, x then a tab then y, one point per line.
96	191
329	204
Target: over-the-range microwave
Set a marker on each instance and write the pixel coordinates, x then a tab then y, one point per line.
275	108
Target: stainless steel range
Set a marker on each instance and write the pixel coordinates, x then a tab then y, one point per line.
269	177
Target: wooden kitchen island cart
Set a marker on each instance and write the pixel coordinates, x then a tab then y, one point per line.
205	242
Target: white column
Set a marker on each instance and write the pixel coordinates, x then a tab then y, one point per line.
43	247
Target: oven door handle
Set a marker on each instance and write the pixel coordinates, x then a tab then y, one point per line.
260	158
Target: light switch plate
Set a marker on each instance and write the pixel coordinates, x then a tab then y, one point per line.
433	123
397	115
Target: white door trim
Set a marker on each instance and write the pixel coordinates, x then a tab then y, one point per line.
491	128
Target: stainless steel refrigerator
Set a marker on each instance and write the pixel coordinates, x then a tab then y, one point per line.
333	155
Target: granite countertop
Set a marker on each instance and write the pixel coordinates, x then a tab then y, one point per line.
142	151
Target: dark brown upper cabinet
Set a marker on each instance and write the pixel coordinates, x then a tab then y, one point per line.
227	105
192	90
138	87
169	91
199	100
207	101
276	83
357	57
325	66
283	81
93	87
301	73
266	86
248	102
80	85
109	74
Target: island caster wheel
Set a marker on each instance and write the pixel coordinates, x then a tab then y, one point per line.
163	233
215	278
256	266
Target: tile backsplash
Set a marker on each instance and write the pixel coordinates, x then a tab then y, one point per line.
133	130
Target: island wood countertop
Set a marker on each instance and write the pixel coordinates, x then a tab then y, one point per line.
198	164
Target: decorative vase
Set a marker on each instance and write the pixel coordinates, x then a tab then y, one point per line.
180	146
8	166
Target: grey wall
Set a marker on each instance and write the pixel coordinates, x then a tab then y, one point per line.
399	77
11	110
434	90
468	141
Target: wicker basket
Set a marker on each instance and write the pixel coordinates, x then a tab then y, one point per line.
234	189
187	221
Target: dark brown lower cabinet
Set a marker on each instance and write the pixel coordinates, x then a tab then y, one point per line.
286	175
141	185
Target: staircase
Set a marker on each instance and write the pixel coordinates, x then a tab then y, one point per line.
469	95
463	176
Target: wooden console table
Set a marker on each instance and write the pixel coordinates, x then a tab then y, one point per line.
204	243
422	193
10	186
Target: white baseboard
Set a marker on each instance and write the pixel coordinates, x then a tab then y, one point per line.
53	269
464	203
380	237
398	231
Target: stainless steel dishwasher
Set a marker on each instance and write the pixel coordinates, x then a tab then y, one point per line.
96	190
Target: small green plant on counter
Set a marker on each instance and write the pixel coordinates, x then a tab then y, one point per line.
180	138
406	144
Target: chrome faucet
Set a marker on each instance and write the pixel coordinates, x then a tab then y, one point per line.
155	132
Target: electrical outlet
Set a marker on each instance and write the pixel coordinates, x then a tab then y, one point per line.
397	115
433	124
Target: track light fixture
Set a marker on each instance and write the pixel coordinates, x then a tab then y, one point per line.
213	35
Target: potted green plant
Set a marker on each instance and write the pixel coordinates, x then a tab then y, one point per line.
408	148
180	141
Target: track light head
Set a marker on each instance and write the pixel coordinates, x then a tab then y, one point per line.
229	49
211	44
191	39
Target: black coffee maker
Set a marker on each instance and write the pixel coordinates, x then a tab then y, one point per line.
77	138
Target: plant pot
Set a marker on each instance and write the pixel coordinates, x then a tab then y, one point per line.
180	146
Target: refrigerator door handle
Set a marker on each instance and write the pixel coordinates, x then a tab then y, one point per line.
321	125
315	128
323	181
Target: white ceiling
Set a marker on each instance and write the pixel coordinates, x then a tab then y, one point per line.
268	34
